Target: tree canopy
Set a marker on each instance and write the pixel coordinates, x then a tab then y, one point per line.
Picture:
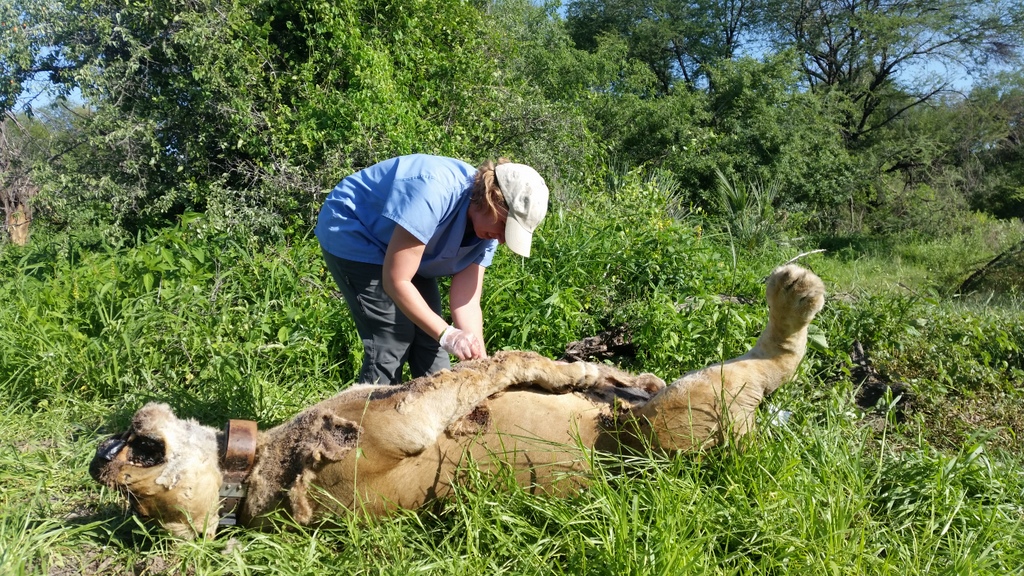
249	109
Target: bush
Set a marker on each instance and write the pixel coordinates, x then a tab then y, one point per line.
185	314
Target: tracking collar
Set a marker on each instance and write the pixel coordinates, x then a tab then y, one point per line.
237	454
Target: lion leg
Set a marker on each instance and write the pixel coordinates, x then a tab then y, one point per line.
704	406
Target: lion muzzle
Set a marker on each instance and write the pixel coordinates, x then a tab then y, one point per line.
110	448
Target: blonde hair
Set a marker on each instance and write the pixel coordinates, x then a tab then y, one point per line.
486	193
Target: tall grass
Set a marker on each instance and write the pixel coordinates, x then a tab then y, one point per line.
176	317
221	326
911	263
820	494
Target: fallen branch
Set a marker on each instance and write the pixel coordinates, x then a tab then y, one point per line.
799	256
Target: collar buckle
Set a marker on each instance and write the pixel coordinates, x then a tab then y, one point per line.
237	455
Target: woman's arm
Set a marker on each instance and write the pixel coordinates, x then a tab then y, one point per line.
401	261
464	301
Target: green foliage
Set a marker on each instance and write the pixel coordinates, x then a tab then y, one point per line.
997	105
748	212
18	50
959	363
678	41
673	132
181	314
863	51
603	262
879	321
374	81
250	109
772	131
676	337
222	325
960	351
530	94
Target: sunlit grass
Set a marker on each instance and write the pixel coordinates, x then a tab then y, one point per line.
228	327
822	493
906	264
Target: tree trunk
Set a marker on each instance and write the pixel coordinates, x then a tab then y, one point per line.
17	224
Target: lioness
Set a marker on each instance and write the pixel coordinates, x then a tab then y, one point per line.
371	449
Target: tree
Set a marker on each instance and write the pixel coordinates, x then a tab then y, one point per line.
1000	149
250	108
21	40
21	62
886	57
16	186
771	131
679	41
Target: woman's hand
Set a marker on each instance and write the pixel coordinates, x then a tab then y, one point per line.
461	344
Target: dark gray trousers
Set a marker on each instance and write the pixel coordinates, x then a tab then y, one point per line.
389	338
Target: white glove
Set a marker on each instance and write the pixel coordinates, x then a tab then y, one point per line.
461	344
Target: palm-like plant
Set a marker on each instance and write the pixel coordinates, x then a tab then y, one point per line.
748	210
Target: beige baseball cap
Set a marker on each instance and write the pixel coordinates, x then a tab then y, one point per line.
526	195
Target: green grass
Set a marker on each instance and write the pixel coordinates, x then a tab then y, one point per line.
222	327
909	264
822	494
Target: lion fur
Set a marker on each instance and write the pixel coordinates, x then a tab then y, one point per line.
374	449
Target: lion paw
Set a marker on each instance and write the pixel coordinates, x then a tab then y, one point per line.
795	292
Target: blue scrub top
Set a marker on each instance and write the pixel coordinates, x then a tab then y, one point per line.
426	195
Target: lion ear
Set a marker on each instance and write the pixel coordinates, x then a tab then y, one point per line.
335	437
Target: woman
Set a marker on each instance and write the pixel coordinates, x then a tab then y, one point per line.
389	231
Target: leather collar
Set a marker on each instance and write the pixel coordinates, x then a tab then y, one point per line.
237	455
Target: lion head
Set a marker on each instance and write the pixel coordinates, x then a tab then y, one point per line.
167	468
